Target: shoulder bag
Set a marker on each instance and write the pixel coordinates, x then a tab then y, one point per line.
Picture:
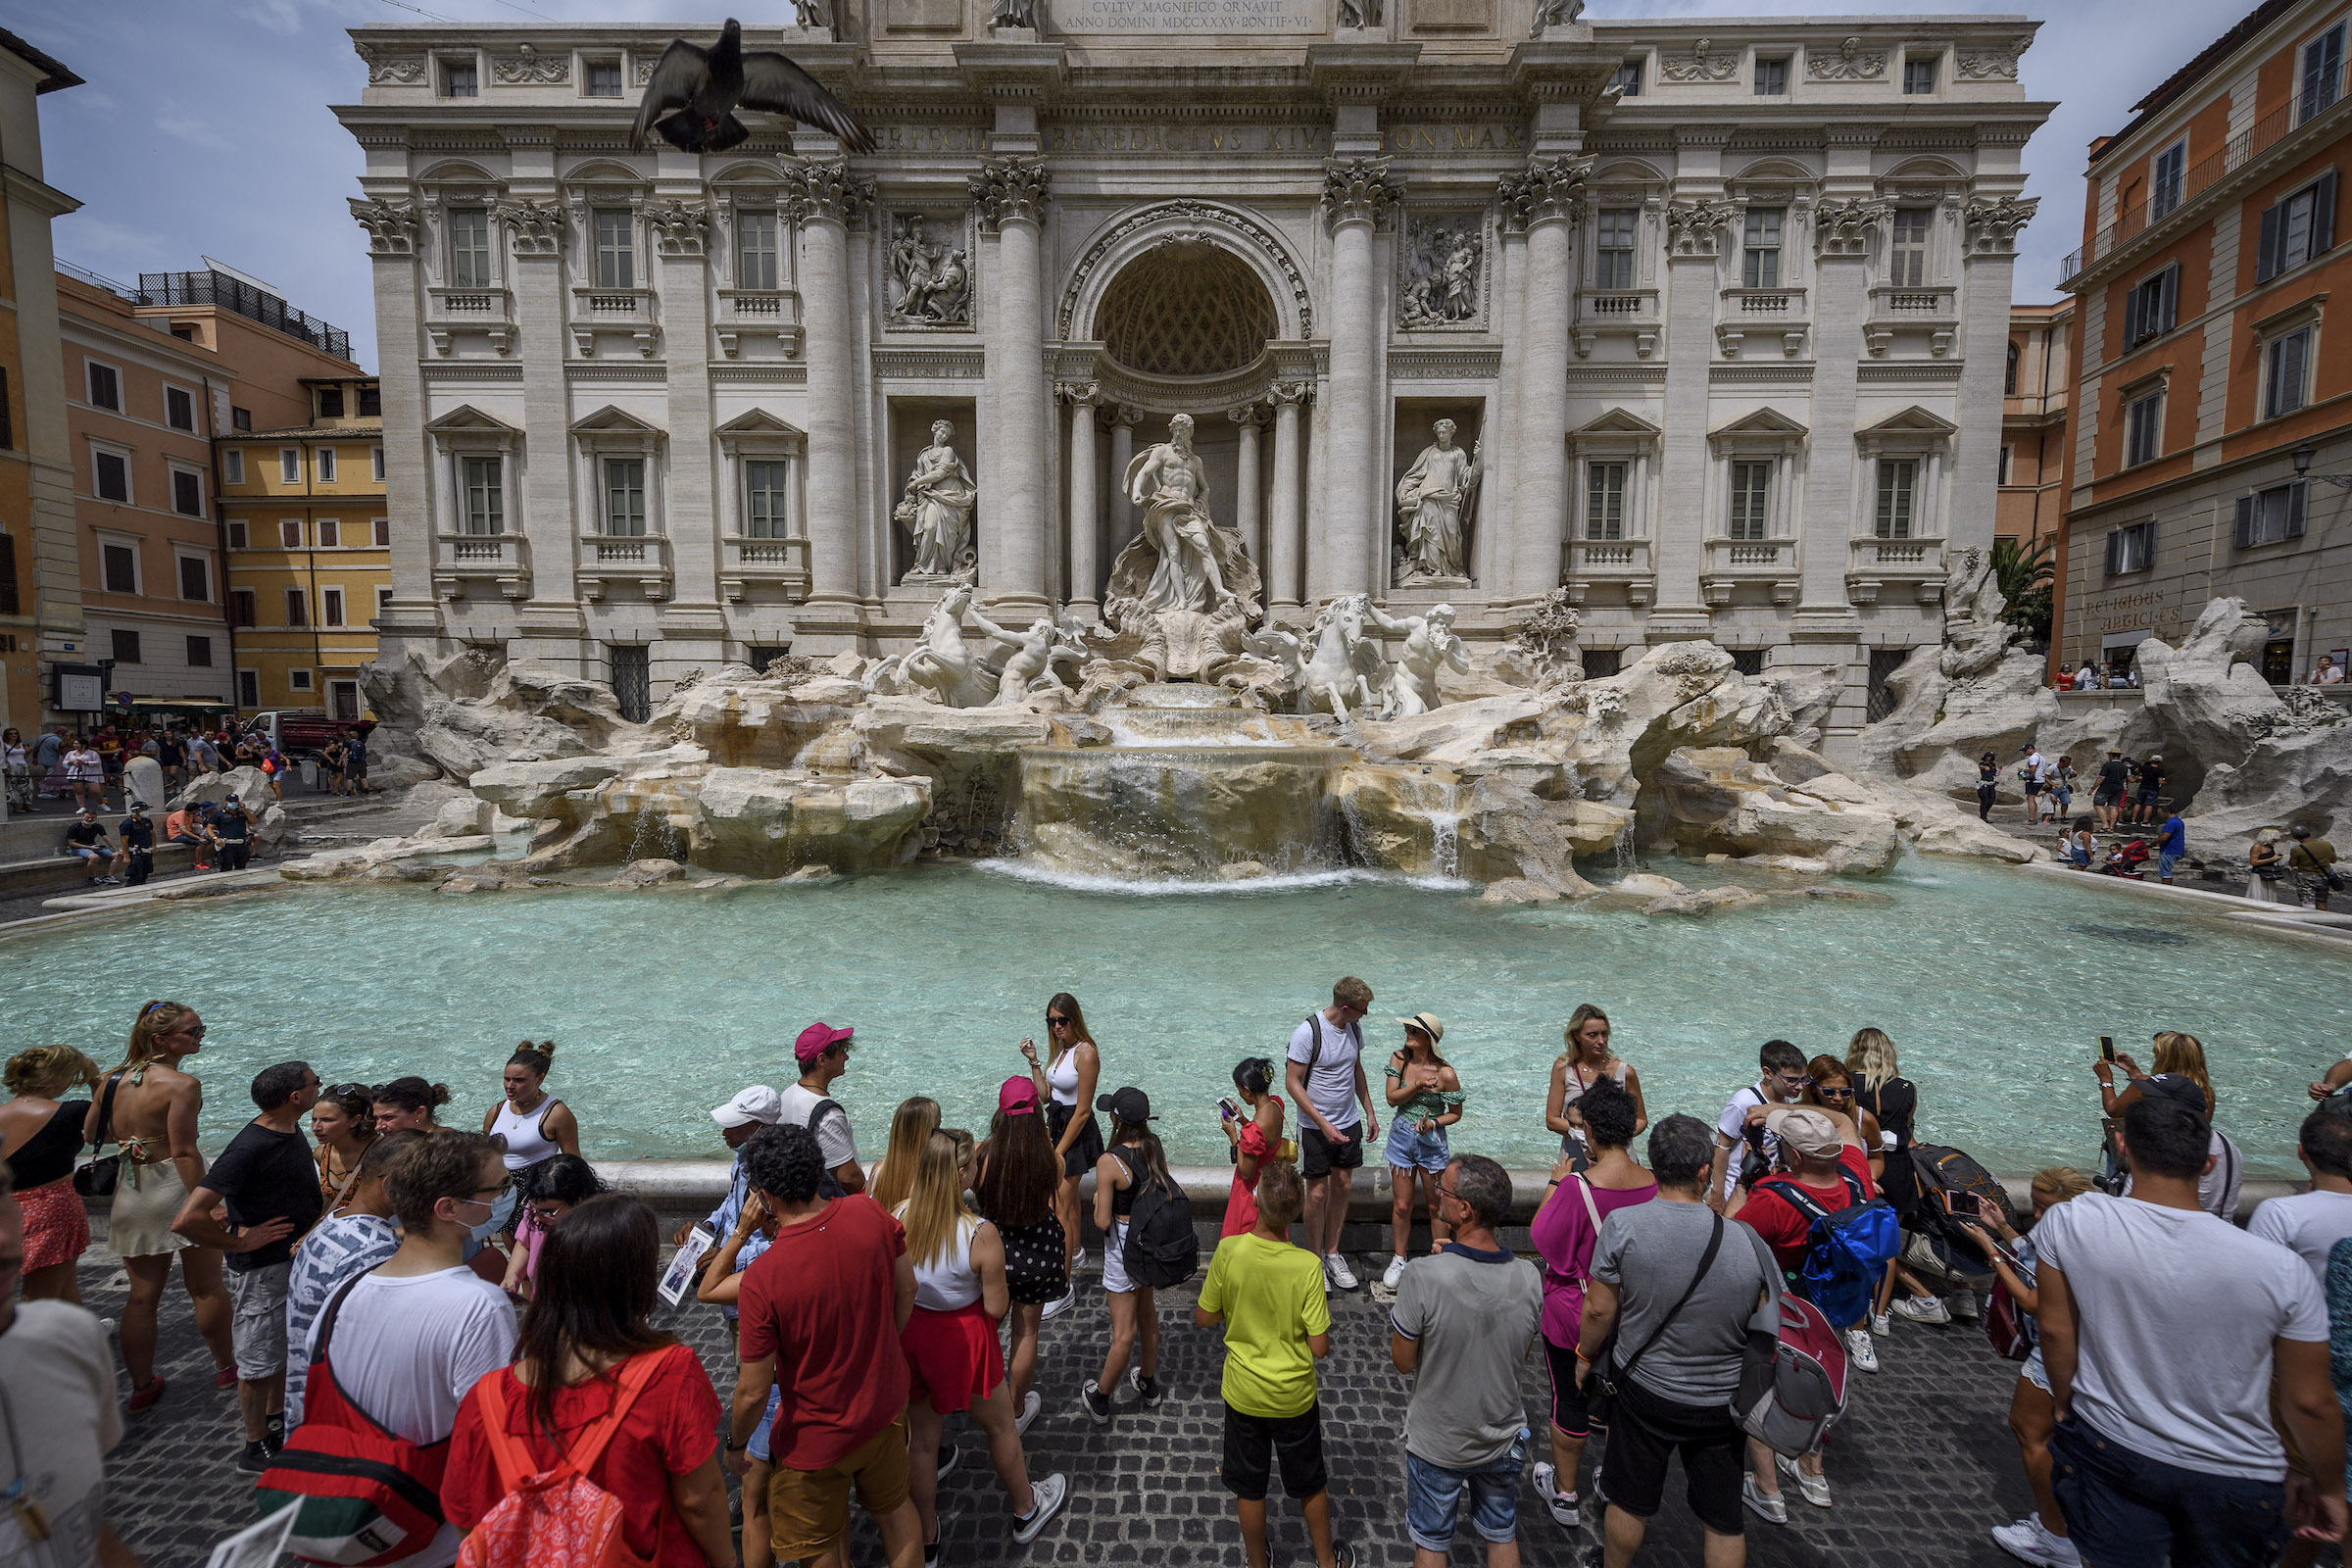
98	1178
1606	1381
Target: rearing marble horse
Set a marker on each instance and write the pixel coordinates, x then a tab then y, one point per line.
1334	674
943	664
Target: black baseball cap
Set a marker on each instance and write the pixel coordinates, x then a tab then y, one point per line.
1131	1105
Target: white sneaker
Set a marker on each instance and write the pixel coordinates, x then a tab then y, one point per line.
1561	1503
1882	1324
1064	1301
1962	1305
2030	1540
1029	1408
1388	1281
1337	1264
1045	1499
1816	1489
1767	1505
1921	1309
1859	1349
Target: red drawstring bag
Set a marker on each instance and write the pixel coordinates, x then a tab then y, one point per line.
555	1518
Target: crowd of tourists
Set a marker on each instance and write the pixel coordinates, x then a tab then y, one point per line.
443	1338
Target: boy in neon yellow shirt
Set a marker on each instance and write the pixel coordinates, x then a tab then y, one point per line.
1269	1296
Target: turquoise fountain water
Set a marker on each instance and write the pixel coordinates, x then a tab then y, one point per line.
1993	985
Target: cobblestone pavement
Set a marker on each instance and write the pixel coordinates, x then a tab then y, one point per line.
1921	1467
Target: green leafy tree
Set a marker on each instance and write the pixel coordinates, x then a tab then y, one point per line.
2024	575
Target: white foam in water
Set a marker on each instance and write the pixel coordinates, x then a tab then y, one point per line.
1159	887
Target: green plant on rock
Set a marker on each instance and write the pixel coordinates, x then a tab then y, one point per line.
2025	574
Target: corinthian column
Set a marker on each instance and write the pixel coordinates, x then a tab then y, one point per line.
1246	514
823	196
1123	420
1550	202
1010	193
1357	196
1086	522
1282	528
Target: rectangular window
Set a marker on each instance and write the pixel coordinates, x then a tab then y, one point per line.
200	653
2322	80
485	496
330	607
1760	255
10	599
1918	75
1613	247
1908	251
2144	430
8	418
2267	516
758	260
329	531
2296	229
767	487
2001	473
298	680
290	532
240	419
632	679
126	647
196	579
1628	80
1771	78
1898	498
2163	179
375	464
459	81
331	402
326	465
179	409
249	687
238	538
371	403
604	78
2286	373
119	566
241	612
383	533
384	602
615	248
1604	500
113	475
106	388
187	493
232	466
624	496
469	247
298	608
1751	500
2152	305
289	465
2131	548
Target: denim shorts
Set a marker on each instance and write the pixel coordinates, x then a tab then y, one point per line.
758	1447
1433	1499
1407	1149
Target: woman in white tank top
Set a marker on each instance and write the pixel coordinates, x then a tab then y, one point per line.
951	1339
1066	1083
531	1126
1587	1061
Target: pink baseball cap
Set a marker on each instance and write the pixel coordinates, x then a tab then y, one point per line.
817	1037
1017	1097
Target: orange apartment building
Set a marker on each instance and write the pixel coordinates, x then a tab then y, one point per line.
2031	499
2211	453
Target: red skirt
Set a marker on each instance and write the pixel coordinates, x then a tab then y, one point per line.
57	1228
954	1356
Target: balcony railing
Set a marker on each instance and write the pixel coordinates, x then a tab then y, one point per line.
782	562
640	557
224	292
1730	561
485	310
2234	155
1872	564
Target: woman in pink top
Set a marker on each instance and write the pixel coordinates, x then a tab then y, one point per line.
1566	1227
562	1183
1255	1129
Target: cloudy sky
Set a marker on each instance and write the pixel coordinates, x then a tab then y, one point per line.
204	128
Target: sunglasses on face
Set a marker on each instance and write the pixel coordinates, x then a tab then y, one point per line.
1052	1022
1834	1094
196	1033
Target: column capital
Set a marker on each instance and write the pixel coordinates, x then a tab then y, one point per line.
1695	228
824	192
1009	190
680	228
1844	227
1359	190
1247	415
1289	394
391	225
1552	190
534	228
1080	394
1993	224
1125	417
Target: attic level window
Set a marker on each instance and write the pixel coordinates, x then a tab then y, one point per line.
1628	80
604	78
331	402
371	403
1918	75
459	80
1771	78
240	419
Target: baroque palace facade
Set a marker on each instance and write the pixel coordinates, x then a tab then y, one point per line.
1718	309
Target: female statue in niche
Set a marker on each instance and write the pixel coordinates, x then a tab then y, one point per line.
936	510
1435	501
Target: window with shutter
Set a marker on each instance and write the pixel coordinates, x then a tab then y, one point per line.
2163	179
1605	501
2284	385
2269	517
2241	536
2266	248
2322	73
2143	435
2131	548
2114	551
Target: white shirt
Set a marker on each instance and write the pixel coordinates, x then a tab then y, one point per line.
1331	1081
834	1139
2307	1224
1733	1124
56	1383
2177	1311
2040	766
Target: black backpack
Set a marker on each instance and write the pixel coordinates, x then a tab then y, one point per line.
1162	1248
829	1185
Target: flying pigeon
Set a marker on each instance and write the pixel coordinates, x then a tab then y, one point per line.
694	93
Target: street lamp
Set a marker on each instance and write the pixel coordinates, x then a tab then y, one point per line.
2302	458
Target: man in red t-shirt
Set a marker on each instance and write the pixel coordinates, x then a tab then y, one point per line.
1817	1155
820	1315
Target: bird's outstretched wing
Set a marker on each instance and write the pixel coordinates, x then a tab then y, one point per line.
681	72
774	83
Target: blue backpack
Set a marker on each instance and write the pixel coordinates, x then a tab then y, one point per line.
1846	1252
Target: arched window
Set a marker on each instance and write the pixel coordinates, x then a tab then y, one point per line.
2009	379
